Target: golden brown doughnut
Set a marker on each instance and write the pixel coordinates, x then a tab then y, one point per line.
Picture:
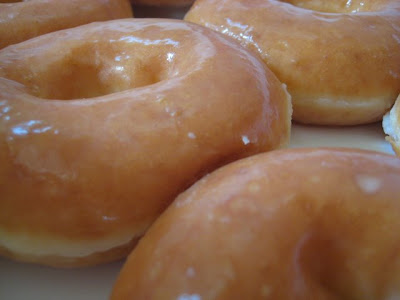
27	19
340	59
391	126
101	126
288	224
163	2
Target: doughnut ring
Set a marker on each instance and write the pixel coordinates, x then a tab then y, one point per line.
288	224
340	59
103	125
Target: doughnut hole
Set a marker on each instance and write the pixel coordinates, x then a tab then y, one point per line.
327	264
321	263
337	6
91	70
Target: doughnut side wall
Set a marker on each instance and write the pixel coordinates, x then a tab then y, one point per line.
87	163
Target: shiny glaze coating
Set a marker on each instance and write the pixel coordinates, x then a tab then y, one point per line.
103	125
288	224
163	2
340	59
27	19
391	126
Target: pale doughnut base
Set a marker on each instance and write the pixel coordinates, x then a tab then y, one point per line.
353	111
59	253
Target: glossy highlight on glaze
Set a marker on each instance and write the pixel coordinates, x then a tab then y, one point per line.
338	6
339	59
104	124
311	223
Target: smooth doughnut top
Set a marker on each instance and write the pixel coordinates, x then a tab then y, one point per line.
22	20
101	126
391	126
339	59
288	224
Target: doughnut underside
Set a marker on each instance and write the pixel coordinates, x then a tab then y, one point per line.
341	64
289	224
28	19
99	131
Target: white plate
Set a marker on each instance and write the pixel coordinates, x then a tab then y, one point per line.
30	282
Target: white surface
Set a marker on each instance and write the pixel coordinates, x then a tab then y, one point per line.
29	282
20	281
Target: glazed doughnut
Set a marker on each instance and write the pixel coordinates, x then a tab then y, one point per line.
162	2
391	126
101	126
288	224
28	19
340	59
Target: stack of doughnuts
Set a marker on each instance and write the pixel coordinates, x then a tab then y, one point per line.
23	20
154	132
